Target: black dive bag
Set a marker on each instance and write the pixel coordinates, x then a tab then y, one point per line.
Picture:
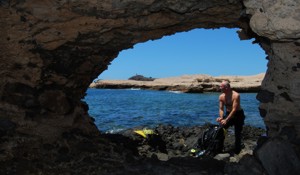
212	140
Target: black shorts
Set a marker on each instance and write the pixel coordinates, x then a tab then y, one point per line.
237	120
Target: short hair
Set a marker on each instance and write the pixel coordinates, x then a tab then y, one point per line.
226	83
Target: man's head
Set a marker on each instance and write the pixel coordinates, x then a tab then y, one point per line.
225	86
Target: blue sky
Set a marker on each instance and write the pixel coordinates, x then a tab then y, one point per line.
199	51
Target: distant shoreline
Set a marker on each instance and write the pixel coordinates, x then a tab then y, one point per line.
186	83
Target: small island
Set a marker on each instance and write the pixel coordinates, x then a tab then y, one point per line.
186	83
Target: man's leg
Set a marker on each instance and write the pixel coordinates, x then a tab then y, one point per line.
238	128
238	138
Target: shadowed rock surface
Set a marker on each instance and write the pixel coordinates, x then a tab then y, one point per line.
129	153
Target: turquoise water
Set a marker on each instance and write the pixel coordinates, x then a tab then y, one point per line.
116	110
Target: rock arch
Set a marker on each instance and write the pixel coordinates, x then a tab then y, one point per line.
52	50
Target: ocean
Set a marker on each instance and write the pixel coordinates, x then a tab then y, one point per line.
118	109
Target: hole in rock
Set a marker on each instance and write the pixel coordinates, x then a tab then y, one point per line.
210	52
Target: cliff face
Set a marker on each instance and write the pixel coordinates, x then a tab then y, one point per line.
186	83
52	50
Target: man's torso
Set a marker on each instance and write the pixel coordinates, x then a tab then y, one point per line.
228	100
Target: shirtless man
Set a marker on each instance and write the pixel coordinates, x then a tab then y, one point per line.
234	115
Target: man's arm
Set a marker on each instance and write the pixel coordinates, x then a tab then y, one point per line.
221	110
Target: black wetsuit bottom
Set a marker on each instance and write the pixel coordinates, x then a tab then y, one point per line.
237	121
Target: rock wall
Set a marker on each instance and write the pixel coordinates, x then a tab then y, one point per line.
279	22
52	50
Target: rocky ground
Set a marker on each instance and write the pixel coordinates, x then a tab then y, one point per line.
178	141
128	153
172	154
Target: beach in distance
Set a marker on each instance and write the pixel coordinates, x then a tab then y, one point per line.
187	83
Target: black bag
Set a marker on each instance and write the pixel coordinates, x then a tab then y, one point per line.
212	140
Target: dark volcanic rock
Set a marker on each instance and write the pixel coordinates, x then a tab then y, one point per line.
141	78
180	140
124	153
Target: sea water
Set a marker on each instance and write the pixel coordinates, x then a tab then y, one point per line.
119	109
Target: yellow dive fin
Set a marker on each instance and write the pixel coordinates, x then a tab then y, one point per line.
141	132
148	131
144	132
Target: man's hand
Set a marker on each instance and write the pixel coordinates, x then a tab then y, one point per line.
223	122
219	119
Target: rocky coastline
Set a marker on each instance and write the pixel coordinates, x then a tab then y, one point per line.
186	83
128	153
175	156
178	141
